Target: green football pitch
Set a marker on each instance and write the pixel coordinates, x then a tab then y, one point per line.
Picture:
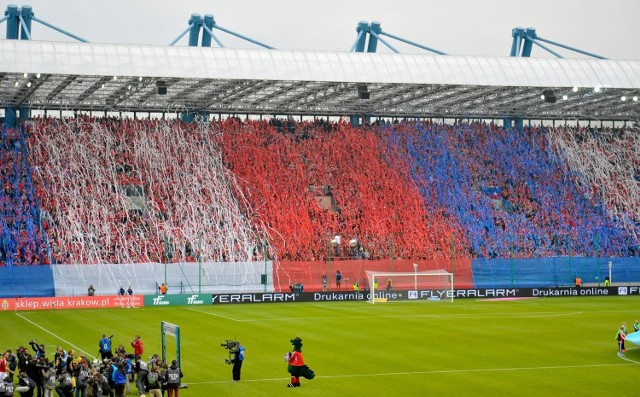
532	347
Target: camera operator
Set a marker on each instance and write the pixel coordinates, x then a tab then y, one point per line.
238	358
105	347
37	348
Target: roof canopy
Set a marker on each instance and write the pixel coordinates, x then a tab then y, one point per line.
124	77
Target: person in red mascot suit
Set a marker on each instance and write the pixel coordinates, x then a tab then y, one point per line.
297	367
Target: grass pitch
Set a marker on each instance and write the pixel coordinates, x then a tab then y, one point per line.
533	347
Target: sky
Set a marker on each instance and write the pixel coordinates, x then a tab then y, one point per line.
458	27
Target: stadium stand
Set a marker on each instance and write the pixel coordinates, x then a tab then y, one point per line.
128	191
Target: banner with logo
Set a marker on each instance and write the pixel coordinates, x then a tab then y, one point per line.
177	300
417	295
70	302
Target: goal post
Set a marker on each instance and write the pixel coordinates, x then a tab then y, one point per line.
171	330
434	285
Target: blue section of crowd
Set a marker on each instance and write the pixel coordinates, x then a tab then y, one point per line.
22	240
510	191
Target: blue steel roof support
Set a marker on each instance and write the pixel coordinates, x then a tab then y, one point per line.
194	33
412	43
524	39
571	48
26	14
213	36
207	23
57	29
518	34
544	47
181	35
373	36
383	41
13	26
355	43
362	29
25	33
3	19
243	37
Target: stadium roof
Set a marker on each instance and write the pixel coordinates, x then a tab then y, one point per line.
123	77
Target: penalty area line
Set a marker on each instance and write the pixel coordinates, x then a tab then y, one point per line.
443	371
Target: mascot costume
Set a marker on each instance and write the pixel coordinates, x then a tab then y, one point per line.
296	367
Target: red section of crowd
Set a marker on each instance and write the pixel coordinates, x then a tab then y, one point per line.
282	170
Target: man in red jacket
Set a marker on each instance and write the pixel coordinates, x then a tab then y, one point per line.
138	349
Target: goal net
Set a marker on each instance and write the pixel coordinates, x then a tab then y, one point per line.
433	285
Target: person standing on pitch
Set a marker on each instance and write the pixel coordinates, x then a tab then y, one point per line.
172	376
636	326
238	358
105	347
338	279
138	349
620	337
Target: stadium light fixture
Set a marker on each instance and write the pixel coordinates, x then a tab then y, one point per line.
565	97
575	89
25	75
623	98
596	89
17	83
29	84
635	99
115	78
37	75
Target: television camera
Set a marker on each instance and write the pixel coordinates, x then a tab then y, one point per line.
232	346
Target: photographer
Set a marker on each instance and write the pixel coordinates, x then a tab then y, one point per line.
26	385
37	348
105	347
154	382
238	358
49	377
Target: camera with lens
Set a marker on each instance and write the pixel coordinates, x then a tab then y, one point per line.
232	346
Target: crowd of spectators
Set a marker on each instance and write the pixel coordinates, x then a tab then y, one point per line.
127	191
539	210
21	238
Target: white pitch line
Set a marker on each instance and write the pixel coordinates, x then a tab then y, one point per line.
466	315
449	371
214	314
54	335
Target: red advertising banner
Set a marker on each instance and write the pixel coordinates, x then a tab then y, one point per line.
71	302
